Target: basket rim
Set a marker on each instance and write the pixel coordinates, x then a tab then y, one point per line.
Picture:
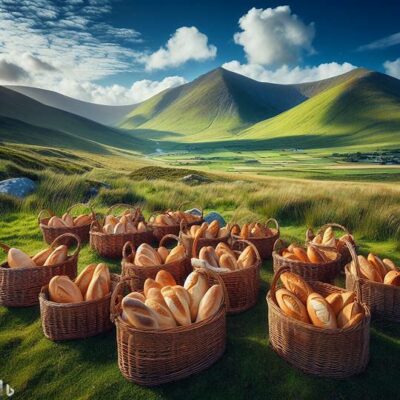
68	228
126	262
256	239
37	267
276	254
201	220
44	297
219	238
103	234
176	330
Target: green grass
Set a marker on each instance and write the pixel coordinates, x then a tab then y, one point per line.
87	369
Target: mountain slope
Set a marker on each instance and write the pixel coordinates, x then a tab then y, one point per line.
362	110
107	115
26	111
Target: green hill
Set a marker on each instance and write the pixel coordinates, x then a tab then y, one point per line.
363	110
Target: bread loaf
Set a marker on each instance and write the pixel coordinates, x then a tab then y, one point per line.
291	305
297	285
18	259
40	258
223	232
150	283
120	228
369	271
315	255
137	296
138	314
257	231
84	278
210	303
224	248
176	254
193	230
141	227
228	261
164	278
389	265
392	278
163	252
68	220
378	264
317	239
58	256
208	255
146	256
197	285
320	312
109	229
82	219
338	301
348	312
155	294
100	284
245	231
63	290
178	302
354	321
55	222
164	317
328	235
247	258
300	254
212	230
111	220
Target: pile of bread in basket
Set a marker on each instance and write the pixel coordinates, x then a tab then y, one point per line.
181	276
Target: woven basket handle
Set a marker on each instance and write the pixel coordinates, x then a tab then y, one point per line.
275	222
44	212
93	214
173	237
95	226
115	305
354	257
275	280
121	205
278	245
236	226
71	235
251	245
128	246
5	247
333	225
309	235
211	274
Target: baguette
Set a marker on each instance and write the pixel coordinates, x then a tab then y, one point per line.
164	278
224	248
210	303
389	264
348	312
141	227
338	301
247	258
137	296
320	312
163	252
150	283
58	255
213	229
18	259
317	239
197	285
108	228
150	253
291	305
315	255
392	278
40	258
378	264
63	290
245	231
369	271
56	222
138	314
193	230
297	285
111	220
178	302
228	261
68	220
300	253
155	294
208	255
223	232
176	254
99	286
82	219
164	317
120	228
328	235
84	278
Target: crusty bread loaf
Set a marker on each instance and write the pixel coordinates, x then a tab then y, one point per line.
164	317
354	321
82	219
57	256
197	285
63	290
223	232
378	264
111	219
177	253
224	248
84	278
328	235
348	312
330	255
389	265
138	314
109	229
68	220
163	252
150	283
40	258
210	303
317	239
300	253
193	230
119	228
137	296
18	259
141	227
164	278
155	294
247	258
315	255
320	312
208	254
212	230
56	222
100	284
338	301
392	278
369	271
228	261
257	231
291	305
178	302
245	231
297	285
150	254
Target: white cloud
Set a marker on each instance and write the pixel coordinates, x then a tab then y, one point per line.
274	36
187	43
383	43
285	74
392	68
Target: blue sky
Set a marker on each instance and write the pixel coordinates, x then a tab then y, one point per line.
124	51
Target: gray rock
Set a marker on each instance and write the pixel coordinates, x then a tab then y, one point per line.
195	179
18	187
194	211
214	216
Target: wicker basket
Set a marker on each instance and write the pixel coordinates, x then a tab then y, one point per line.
324	272
159	231
111	245
153	357
62	321
178	269
344	251
333	353
20	287
51	233
187	239
382	299
264	245
242	285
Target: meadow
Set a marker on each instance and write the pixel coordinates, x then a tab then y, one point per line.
87	369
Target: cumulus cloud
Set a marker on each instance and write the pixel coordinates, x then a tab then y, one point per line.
383	43
10	72
392	68
36	64
274	36
285	74
187	43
